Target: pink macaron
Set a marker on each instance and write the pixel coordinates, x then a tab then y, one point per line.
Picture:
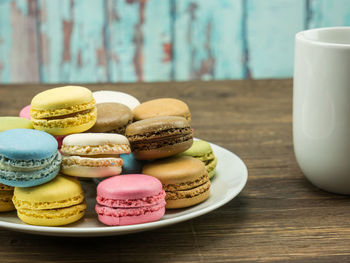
130	199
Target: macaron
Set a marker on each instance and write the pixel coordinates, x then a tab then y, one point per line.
131	165
58	202
104	96
112	118
28	157
64	110
162	107
25	112
130	199
8	123
202	151
93	154
159	137
185	180
6	194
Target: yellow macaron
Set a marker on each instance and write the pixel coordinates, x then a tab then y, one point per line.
6	193
58	202
64	110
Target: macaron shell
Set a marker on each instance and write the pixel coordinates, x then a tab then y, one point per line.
25	112
162	151
112	117
187	202
6	201
4	187
108	96
8	123
210	166
176	170
26	144
53	217
199	148
132	220
156	124
212	173
94	139
61	192
162	107
91	172
62	98
130	186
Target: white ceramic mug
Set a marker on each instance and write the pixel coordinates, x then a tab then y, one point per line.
321	107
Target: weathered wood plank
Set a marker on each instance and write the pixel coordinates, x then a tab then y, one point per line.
5	41
271	26
73	41
18	41
124	40
208	41
329	13
157	44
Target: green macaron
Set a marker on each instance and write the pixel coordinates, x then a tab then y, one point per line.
202	151
8	123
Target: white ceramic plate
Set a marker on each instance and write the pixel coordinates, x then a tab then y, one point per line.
231	177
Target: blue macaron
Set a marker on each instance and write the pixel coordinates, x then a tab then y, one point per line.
131	165
28	157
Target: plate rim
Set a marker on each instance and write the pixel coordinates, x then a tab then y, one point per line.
120	230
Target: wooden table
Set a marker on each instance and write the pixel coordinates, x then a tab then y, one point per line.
279	216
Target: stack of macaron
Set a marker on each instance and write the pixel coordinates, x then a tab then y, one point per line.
142	155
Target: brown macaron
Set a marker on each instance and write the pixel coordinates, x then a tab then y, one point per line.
159	137
162	107
112	118
185	180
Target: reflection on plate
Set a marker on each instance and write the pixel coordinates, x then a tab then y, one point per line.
230	179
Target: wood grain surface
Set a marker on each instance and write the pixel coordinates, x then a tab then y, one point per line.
89	41
279	216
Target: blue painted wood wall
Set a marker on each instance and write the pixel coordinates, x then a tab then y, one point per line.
56	41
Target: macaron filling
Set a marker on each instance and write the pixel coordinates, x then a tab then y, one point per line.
123	212
160	139
188	193
120	130
55	113
91	162
89	150
26	165
63	121
128	203
11	174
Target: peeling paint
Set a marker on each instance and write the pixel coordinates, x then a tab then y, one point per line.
138	41
24	53
167	52
155	40
67	34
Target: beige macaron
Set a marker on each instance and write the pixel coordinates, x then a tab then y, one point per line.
93	154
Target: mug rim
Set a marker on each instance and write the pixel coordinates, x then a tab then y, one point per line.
302	37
